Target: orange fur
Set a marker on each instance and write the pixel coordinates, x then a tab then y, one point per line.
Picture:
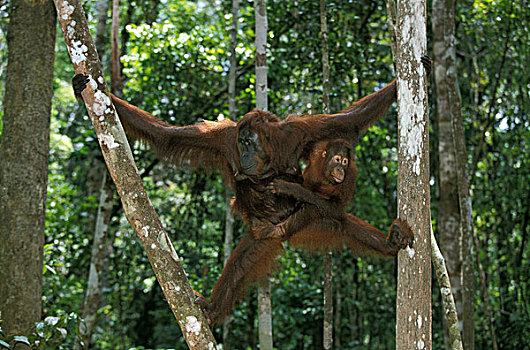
321	224
251	262
214	146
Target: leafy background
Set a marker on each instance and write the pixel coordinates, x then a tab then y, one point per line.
175	59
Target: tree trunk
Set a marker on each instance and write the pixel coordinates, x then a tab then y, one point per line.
449	228
232	111
452	119
229	238
413	323
328	257
115	64
265	317
106	193
338	304
449	308
264	293
24	162
325	57
102	8
464	198
328	301
97	263
118	157
261	54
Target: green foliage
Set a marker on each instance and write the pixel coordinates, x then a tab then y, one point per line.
495	91
54	332
176	63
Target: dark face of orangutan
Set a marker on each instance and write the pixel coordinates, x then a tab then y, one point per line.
252	157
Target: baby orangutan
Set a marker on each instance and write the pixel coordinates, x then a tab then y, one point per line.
321	223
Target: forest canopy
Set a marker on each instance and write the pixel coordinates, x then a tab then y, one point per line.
175	62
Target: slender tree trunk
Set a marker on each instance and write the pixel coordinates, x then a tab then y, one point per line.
414	316
448	301
265	317
328	257
229	238
450	116
466	211
118	157
453	119
325	57
106	194
264	291
232	111
97	263
115	64
102	8
261	54
449	228
24	163
338	305
328	301
97	170
232	74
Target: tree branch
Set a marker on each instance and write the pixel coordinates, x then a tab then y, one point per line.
118	157
448	300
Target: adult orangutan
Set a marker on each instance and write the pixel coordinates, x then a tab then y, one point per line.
320	223
249	155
